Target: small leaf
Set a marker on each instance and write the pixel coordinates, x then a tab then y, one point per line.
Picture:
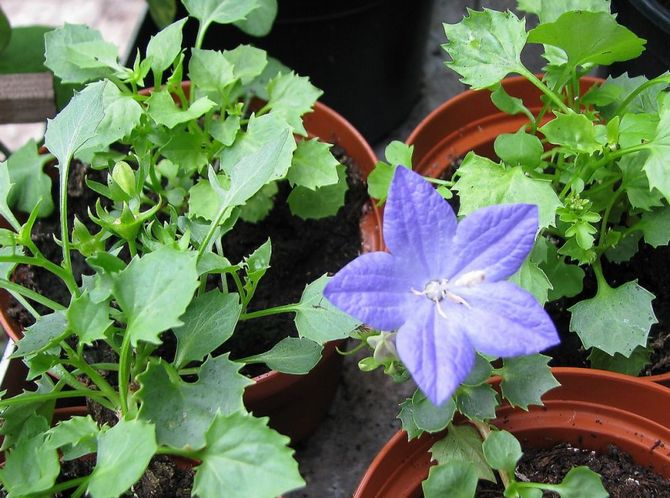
209	321
259	21
31	185
317	319
75	437
219	11
248	62
566	279
290	96
615	320
88	319
291	355
633	365
574	132
313	165
508	104
431	418
46	331
164	47
580	482
463	444
655	165
5	189
246	459
187	150
636	183
455	480
526	379
399	153
519	149
31	468
256	266
210	70
154	291
531	277
322	202
114	472
655	226
260	204
162	11
379	180
485	46
477	402
183	411
166	112
502	451
406	416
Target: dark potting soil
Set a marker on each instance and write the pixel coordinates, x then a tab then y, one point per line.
651	267
621	477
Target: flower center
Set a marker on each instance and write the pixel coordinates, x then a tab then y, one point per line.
437	290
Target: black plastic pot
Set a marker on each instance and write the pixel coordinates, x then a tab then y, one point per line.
365	55
649	19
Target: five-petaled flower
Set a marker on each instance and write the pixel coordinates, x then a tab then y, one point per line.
442	285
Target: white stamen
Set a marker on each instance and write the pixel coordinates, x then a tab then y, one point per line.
437	290
458	299
470	279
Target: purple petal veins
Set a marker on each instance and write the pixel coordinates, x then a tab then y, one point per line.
440	287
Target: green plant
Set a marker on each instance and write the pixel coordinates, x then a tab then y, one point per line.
182	164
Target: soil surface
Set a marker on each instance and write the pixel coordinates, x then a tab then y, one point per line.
621	477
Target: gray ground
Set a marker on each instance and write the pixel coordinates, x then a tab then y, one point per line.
363	416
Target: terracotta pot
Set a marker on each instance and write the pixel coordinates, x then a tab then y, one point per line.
591	409
470	122
296	403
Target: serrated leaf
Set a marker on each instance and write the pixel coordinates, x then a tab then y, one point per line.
633	365
75	124
291	355
519	148
406	417
462	444
550	10
164	47
88	319
482	183
154	291
485	46
219	11
30	468
209	321
187	150
313	165
166	112
502	450
30	184
246	459
248	62
455	480
566	279
114	472
260	204
259	21
183	411
616	320
210	70
525	380
480	372
431	418
636	183
322	202
580	482
41	334
655	226
656	163
77	67
75	437
574	132
620	88
477	402
635	129
290	96
589	38
531	277
225	130
625	249
399	153
317	319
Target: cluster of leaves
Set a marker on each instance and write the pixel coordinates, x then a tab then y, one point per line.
184	166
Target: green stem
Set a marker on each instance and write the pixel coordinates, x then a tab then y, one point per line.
35	398
212	229
22	301
67	279
600	277
95	377
544	89
69	484
660	79
64	233
163	450
484	431
603	225
287	308
32	295
124	372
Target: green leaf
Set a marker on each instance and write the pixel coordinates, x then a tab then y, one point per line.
31	468
256	265
456	480
260	204
636	183
638	359
209	321
246	459
431	418
589	38
162	11
75	437
203	200
508	104
88	319
502	450
463	444
379	180
625	248
210	70
154	291
290	96
635	129
219	11
480	372
616	320
225	130
165	46
75	124
248	62
114	472
31	185
531	278
485	46
317	319
77	54
580	482
659	153
519	148
399	153
482	182
477	402
655	226
322	202
525	379
550	10
566	279
187	150
5	190
313	165
44	332
183	411
406	416
291	355
165	111
259	21
5	31
574	132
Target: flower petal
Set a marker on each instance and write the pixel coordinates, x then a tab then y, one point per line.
375	289
418	224
503	320
495	240
435	351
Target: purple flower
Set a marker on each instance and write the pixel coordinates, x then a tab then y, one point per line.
442	285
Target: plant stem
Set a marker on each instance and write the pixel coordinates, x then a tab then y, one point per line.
124	372
64	170
39	397
95	377
67	279
660	79
544	89
484	431
606	215
22	301
32	295
287	308
69	484
212	228
163	450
